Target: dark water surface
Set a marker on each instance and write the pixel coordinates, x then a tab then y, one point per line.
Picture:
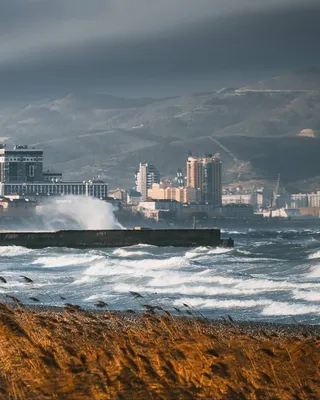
271	275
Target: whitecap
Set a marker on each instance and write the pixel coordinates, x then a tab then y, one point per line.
198	251
84	280
213	303
278	308
219	250
66	260
313	296
314	255
127	253
13	251
314	272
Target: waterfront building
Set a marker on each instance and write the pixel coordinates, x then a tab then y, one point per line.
50	176
146	176
21	164
21	173
205	175
133	197
180	194
36	189
255	199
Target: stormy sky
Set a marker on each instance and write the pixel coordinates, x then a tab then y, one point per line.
152	47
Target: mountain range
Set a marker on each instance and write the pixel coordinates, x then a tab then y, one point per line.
259	130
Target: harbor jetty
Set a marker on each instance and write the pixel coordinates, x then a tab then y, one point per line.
116	238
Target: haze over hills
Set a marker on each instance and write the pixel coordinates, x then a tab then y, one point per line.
306	79
254	129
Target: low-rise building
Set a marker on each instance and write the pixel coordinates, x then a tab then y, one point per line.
180	194
169	205
299	200
241	211
118	194
255	199
313	212
50	176
40	189
314	199
16	207
133	197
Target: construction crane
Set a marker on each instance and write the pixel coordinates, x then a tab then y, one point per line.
274	196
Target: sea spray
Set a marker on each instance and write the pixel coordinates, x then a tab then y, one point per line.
78	212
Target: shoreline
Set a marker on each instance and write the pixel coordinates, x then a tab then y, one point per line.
67	353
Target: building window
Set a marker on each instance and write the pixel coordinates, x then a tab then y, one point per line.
31	171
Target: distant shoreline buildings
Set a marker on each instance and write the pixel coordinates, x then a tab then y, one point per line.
197	191
22	173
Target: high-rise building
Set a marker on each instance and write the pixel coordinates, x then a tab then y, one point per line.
180	178
204	174
21	164
145	178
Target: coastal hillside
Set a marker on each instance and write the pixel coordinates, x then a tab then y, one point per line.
256	129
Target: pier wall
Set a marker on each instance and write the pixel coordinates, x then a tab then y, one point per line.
113	238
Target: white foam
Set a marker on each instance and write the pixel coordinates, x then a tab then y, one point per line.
13	251
244	252
99	296
84	280
127	253
313	296
66	260
219	250
198	251
314	255
213	303
183	290
103	268
278	308
176	278
151	263
315	272
142	245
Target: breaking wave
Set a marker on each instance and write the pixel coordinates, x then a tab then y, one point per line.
66	260
13	251
314	255
284	309
128	253
269	275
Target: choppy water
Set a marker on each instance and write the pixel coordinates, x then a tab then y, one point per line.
269	275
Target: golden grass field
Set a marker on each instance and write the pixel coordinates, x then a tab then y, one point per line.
73	354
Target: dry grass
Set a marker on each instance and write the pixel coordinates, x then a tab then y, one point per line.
72	354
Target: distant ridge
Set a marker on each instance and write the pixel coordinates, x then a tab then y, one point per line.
301	80
273	126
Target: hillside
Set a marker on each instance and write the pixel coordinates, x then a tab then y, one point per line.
308	79
255	132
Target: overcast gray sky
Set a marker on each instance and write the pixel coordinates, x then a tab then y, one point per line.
152	47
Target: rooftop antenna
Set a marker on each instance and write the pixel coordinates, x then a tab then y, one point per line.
194	222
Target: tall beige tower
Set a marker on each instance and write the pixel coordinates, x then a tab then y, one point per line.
205	175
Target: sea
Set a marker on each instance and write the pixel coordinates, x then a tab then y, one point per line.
270	275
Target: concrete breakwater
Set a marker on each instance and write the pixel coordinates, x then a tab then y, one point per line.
115	238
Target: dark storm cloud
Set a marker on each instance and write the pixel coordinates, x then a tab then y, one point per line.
69	43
